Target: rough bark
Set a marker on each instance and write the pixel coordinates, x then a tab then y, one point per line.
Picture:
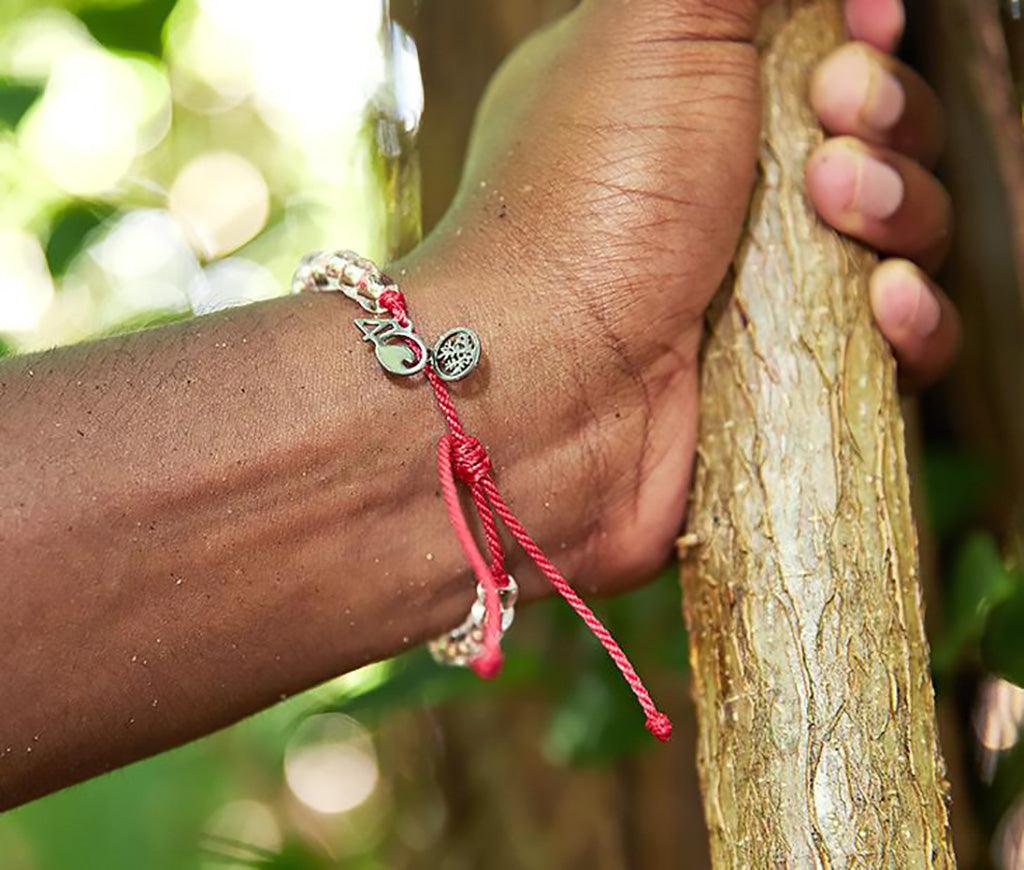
817	741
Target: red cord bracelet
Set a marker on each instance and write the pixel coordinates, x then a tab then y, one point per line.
461	458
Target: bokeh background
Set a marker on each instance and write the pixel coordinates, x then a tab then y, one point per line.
162	159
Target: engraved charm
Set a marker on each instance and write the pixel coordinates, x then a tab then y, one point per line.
398	348
456	353
461	645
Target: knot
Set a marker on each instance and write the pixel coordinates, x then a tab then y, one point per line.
470	460
659	725
393	301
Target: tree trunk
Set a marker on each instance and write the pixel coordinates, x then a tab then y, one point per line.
817	741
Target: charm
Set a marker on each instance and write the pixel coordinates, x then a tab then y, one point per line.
461	645
398	349
456	353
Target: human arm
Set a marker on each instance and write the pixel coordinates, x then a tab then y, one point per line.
262	459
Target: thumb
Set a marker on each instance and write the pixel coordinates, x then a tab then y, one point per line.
697	20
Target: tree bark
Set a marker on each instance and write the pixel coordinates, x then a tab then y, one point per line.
816	712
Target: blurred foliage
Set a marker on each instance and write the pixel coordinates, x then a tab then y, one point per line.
69	230
16	98
147	815
146	320
1003	643
415	680
979	583
135	26
958	487
594	715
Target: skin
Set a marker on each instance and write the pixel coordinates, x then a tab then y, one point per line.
200	519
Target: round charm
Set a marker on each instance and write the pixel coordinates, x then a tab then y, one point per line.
456	353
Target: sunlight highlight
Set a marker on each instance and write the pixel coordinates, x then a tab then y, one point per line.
26	290
98	112
221	200
330	764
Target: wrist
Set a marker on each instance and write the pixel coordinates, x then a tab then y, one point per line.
514	402
461	457
555	399
375	569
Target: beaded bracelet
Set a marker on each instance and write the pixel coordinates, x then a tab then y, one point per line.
401	351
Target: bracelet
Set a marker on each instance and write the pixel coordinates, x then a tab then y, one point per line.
461	458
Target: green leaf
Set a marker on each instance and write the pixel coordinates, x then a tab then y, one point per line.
647	621
69	231
958	485
133	27
980	581
597	722
296	855
416	680
1002	647
16	98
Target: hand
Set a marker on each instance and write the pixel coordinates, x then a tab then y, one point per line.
603	198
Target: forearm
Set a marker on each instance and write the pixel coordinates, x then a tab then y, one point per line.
198	520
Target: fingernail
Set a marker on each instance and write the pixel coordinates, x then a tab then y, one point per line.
904	303
852	84
878	191
884	101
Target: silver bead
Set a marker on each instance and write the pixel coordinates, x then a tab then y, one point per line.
460	646
310	273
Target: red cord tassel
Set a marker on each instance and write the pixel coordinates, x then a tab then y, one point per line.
462	457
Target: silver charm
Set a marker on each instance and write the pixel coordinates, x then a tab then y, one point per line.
461	645
456	353
398	348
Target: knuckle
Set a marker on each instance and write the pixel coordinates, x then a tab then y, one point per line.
726	20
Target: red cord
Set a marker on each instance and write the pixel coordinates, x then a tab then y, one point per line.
462	457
